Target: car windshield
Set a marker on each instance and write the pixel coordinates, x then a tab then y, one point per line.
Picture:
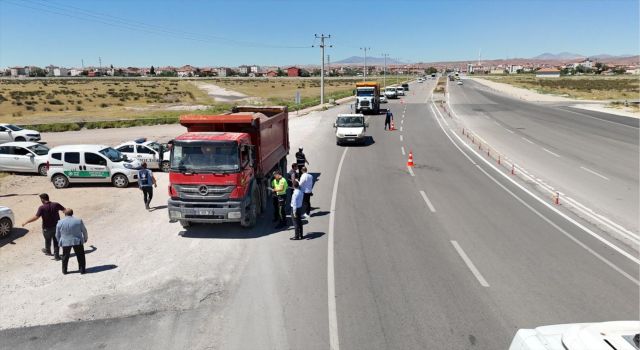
365	92
112	154
155	146
205	157
391	89
39	149
350	122
13	127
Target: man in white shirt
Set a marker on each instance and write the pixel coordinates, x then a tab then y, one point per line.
306	186
296	210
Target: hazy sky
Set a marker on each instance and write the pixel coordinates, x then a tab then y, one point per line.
213	33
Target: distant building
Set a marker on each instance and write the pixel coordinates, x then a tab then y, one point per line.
224	71
18	72
186	71
586	63
60	72
254	69
271	74
548	73
632	70
244	69
293	72
75	72
513	69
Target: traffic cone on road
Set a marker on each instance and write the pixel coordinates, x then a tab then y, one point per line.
410	161
393	125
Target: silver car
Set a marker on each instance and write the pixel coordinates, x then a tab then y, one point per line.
7	220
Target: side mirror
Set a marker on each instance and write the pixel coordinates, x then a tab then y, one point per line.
366	125
335	125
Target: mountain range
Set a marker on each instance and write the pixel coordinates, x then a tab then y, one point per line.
563	56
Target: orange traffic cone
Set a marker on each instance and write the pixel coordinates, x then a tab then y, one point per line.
393	126
410	161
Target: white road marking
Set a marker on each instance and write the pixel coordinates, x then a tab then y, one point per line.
511	131
600	119
401	128
401	138
496	123
426	199
402	149
411	171
526	139
470	264
334	342
549	206
594	173
555	154
402	121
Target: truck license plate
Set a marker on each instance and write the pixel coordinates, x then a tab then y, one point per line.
205	212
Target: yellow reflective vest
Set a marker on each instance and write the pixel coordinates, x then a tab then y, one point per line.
280	187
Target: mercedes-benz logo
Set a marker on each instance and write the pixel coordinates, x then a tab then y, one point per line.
203	190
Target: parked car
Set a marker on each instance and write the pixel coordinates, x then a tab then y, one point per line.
7	221
90	164
10	132
24	157
153	153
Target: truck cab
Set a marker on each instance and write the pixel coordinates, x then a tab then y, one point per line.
368	97
219	169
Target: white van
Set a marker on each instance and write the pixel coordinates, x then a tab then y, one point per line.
90	164
351	128
400	91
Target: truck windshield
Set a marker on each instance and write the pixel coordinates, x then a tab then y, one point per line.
205	157
112	154
364	92
350	122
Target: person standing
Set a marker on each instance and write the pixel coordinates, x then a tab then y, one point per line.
146	182
293	174
306	186
296	210
387	120
279	189
301	160
49	212
71	233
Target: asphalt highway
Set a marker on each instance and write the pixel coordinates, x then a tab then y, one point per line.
448	255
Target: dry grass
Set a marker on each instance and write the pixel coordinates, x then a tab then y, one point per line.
49	100
579	87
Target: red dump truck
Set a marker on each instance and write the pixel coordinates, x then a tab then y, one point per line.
221	167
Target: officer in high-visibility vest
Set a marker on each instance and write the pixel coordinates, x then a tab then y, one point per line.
279	188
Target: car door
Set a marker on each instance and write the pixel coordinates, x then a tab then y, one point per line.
96	168
129	151
72	168
146	154
23	159
6	158
5	135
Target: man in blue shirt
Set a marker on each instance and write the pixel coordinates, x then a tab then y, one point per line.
387	119
296	210
145	181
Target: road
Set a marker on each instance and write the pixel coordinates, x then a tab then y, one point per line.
451	254
590	156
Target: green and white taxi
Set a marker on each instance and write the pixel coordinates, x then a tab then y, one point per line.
90	164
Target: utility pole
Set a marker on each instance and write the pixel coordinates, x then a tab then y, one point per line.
322	46
329	64
82	60
100	63
365	49
384	70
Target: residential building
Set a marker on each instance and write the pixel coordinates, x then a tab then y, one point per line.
75	72
514	68
186	71
271	74
254	69
60	72
293	72
548	73
244	69
224	71
18	72
632	70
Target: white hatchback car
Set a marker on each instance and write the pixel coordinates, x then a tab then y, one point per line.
24	157
10	132
7	221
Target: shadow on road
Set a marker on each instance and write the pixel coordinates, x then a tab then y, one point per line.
264	227
86	251
319	213
313	235
159	207
11	237
100	268
17	194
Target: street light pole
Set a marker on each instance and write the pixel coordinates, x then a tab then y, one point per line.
384	70
364	77
322	46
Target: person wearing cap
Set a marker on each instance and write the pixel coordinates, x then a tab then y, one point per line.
279	189
301	160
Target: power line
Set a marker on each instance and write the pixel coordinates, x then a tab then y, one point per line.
322	46
119	22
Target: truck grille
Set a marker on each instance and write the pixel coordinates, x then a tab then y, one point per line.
364	103
198	192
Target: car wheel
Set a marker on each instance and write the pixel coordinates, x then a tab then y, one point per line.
165	166
120	181
19	138
60	181
42	169
5	227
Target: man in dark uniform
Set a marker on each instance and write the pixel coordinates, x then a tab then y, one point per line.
301	160
387	120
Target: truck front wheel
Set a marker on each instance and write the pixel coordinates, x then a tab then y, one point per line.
251	214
